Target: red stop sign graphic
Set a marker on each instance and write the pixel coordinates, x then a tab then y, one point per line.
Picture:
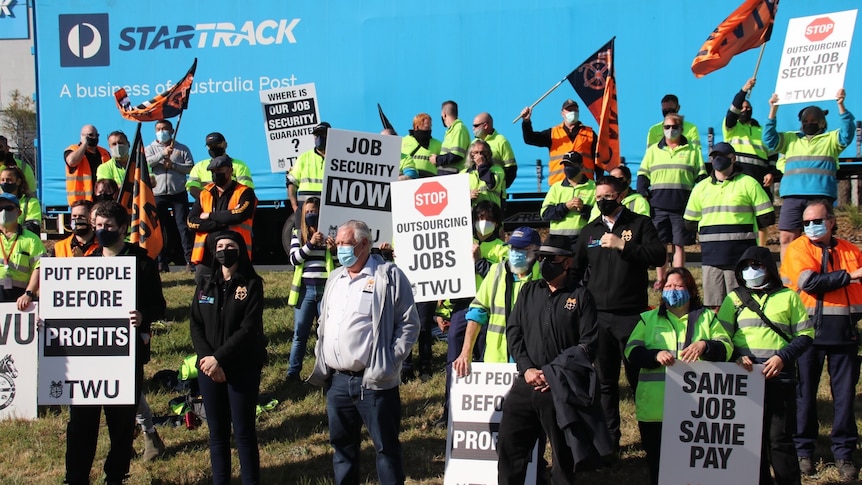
431	198
819	29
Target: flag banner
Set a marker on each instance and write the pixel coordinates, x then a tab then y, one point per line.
383	119
136	195
749	26
596	85
165	105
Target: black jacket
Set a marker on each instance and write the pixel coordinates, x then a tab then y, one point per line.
227	321
618	280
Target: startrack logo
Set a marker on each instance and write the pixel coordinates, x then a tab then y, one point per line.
84	40
209	35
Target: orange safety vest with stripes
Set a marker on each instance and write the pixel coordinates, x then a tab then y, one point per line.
79	180
244	228
561	144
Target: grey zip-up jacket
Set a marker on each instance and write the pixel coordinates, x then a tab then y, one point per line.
396	327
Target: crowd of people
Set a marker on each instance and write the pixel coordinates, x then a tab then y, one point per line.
579	296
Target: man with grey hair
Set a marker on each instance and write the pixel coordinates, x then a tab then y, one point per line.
367	326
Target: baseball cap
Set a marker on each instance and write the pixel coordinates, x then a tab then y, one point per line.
215	138
220	161
573	159
556	245
722	149
570	103
11	198
321	127
523	237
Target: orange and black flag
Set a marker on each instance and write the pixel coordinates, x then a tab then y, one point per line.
165	105
595	82
749	26
383	119
136	195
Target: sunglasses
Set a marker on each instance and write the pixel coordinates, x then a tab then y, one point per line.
8	208
670	127
816	222
476	125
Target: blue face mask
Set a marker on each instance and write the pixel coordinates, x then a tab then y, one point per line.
517	258
816	231
311	219
163	136
675	298
346	256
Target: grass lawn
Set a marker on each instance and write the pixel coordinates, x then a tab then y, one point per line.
293	437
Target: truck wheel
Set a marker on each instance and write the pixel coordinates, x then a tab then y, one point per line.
287	233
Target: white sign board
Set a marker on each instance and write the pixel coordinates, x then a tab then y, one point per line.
289	115
359	168
433	236
19	362
87	345
713	417
814	58
475	410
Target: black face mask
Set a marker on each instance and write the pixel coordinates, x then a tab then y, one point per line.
107	238
320	143
82	228
220	179
745	116
104	197
571	172
721	163
227	257
607	207
9	187
811	128
92	141
422	136
216	151
311	219
551	270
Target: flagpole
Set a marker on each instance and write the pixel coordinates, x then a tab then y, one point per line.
540	99
757	66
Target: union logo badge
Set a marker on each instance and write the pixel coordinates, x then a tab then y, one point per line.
241	293
627	235
571	303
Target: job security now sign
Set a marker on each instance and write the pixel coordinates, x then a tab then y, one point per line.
713	417
87	349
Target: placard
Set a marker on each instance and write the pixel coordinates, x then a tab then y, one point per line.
19	362
87	344
289	115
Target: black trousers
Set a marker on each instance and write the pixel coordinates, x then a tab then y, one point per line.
651	443
526	414
779	424
614	332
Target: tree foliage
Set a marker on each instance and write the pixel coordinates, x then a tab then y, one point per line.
18	123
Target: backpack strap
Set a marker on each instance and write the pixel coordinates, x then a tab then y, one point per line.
745	296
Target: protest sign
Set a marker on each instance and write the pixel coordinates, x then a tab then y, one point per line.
475	409
814	58
289	114
87	345
356	176
433	236
713	417
18	362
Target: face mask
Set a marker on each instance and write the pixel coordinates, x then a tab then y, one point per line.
754	278
518	260
571	172
811	129
81	228
216	152
745	116
346	256
571	117
551	270
107	238
443	120
9	187
672	133
485	227
675	298
607	207
816	231
163	136
7	218
220	179
478	132
119	151
423	137
92	141
721	163
666	112
104	197
320	142
227	257
311	219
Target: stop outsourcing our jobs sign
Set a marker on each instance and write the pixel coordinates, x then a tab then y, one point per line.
814	58
358	168
289	114
713	417
87	347
433	236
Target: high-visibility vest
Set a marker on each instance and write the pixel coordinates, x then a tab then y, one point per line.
79	181
563	191
457	141
31	210
25	250
660	329
200	175
496	194
747	142
296	283
672	173
501	150
244	228
811	165
307	175
421	156
63	248
561	144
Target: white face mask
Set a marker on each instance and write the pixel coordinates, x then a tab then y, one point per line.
571	117
672	133
7	218
754	278
484	227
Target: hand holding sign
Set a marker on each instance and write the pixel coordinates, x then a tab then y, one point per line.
664	358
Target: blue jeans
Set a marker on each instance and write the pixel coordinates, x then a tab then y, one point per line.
348	405
304	313
234	401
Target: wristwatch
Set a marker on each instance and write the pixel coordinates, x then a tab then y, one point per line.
30	294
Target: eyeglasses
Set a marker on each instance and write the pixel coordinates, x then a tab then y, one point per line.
477	153
670	127
816	222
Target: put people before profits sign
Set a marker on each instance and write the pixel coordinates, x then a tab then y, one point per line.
713	417
87	347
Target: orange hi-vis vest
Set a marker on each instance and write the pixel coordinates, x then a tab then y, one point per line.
804	258
80	181
63	248
561	144
244	228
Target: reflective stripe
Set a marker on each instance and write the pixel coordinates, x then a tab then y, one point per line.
752	160
762	207
565	232
673	166
731	236
762	353
497	328
837	310
803	278
727	208
669	186
455	149
811	171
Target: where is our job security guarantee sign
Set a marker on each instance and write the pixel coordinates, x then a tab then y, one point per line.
713	417
87	350
289	116
358	169
433	236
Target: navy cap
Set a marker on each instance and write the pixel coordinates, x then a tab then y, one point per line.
722	149
570	103
556	245
215	138
523	237
11	198
572	159
220	161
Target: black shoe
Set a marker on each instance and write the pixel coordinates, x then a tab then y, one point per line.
847	470
806	466
293	378
407	375
190	267
164	268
